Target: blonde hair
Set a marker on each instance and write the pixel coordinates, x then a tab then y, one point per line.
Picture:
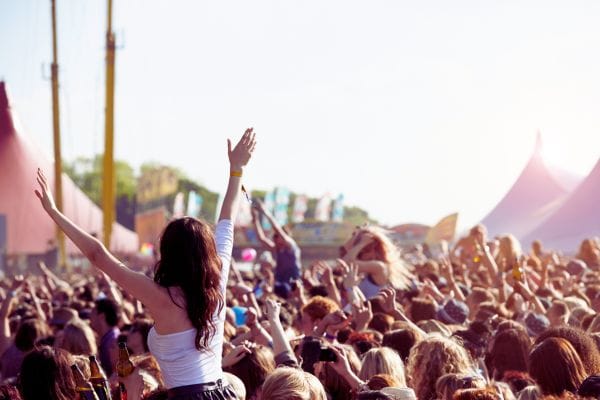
398	271
509	250
382	360
448	384
78	338
292	384
432	358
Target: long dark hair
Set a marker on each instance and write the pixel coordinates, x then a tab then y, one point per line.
46	374
189	260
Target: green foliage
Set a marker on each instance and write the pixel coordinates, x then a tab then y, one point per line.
87	175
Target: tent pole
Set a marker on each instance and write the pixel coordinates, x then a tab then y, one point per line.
108	186
57	153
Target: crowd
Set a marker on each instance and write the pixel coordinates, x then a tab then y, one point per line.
483	319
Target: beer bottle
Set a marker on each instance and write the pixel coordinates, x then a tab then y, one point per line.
84	388
98	380
124	366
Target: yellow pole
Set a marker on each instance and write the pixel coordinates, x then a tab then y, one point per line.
109	185
56	128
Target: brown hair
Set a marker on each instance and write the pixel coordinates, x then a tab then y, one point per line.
78	339
583	344
46	374
401	340
189	261
556	367
510	350
476	394
318	307
253	368
380	381
422	309
381	322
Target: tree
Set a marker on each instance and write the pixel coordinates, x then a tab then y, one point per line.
87	174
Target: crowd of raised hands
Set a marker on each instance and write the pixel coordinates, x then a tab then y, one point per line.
481	320
478	324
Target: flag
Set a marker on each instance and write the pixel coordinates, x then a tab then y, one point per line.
178	205
194	205
300	207
282	200
337	215
323	208
445	229
269	204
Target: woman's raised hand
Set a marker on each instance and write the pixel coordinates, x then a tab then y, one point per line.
241	153
44	193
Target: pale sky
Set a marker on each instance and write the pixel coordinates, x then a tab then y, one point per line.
412	109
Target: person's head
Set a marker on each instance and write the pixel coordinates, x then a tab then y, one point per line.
509	249
29	332
381	322
77	338
558	313
237	385
402	341
382	360
46	374
475	298
448	384
314	311
479	233
432	358
279	241
253	368
189	261
556	367
531	392
583	344
509	352
486	393
380	381
105	315
137	338
292	384
422	309
381	248
336	386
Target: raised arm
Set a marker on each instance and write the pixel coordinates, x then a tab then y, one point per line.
238	158
268	243
139	285
276	227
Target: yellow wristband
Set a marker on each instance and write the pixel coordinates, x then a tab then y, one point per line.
236	173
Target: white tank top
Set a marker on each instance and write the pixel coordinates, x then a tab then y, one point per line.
180	362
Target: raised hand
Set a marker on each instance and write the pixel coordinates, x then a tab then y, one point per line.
351	279
236	355
44	193
241	153
362	314
273	310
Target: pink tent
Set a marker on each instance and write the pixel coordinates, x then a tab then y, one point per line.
29	229
536	194
577	218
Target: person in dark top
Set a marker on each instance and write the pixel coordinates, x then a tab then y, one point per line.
283	247
104	320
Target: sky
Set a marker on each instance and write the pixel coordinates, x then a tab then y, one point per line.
412	109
